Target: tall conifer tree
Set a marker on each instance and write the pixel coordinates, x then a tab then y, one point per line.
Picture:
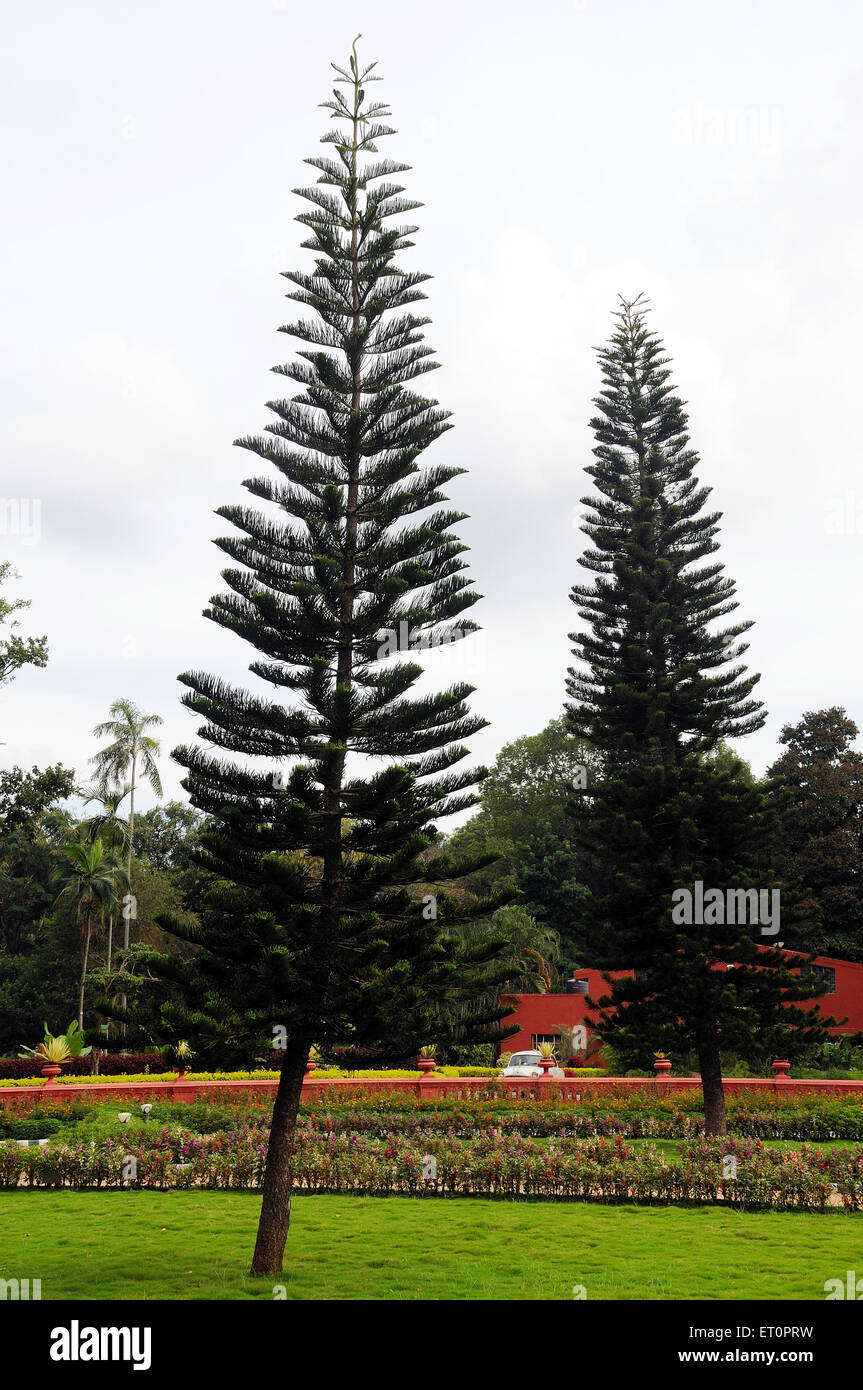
658	686
315	924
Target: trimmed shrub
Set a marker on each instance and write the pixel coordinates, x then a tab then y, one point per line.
437	1165
29	1128
110	1064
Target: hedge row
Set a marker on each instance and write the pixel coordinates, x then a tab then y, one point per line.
321	1073
132	1063
728	1171
110	1064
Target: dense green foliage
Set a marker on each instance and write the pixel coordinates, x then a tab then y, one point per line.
523	819
40	938
818	840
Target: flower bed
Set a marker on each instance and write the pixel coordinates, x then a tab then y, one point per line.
430	1164
798	1118
647	1112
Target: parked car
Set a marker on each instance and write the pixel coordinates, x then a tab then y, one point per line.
527	1064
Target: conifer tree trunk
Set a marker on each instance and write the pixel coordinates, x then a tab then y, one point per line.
278	1176
711	1085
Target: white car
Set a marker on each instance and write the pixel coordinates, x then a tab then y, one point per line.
527	1064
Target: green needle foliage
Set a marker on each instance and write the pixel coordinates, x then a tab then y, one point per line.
658	686
315	926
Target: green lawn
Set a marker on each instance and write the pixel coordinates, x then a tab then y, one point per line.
187	1245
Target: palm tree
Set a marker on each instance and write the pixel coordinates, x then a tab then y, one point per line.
107	824
531	956
130	750
93	880
115	830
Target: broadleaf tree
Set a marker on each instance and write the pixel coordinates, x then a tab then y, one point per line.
313	928
15	651
658	683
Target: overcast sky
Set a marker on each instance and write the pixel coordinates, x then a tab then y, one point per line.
565	152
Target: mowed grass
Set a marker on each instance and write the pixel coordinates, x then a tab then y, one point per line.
197	1245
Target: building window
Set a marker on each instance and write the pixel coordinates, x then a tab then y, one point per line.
826	976
537	1039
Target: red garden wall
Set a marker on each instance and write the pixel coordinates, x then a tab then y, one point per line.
429	1087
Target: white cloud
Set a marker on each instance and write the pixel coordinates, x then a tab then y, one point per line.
705	157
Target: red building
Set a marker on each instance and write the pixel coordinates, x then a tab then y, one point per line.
539	1016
